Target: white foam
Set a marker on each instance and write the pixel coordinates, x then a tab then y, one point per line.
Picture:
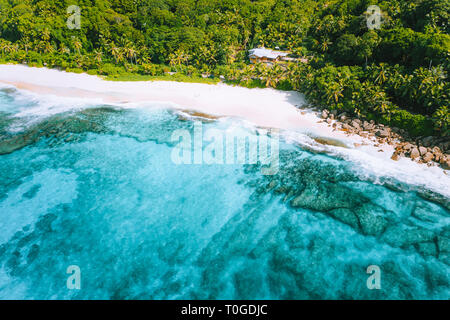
369	163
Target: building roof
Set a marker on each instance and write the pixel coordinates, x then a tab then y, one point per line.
267	53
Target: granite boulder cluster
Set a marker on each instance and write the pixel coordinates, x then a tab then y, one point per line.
430	150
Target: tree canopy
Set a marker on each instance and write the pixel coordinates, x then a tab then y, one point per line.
397	73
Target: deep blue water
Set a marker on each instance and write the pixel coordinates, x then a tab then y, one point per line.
96	187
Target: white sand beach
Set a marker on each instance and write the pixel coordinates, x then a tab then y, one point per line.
262	107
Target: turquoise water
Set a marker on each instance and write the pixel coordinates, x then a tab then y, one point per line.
94	186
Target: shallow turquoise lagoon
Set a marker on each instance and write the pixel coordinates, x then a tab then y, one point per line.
95	186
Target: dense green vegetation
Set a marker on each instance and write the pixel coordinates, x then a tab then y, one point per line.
397	74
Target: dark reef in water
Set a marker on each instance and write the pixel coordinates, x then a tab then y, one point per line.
330	189
57	129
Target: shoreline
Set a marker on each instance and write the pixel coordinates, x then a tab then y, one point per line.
268	108
263	107
432	151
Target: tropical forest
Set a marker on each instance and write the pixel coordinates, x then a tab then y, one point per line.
395	73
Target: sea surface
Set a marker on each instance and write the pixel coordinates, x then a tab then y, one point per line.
95	186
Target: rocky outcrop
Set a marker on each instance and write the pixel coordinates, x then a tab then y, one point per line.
423	154
430	150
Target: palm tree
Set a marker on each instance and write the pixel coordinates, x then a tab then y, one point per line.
382	104
40	47
234	74
143	59
79	60
442	119
8	48
173	61
247	73
260	68
382	74
178	58
5	46
325	45
45	35
103	43
26	44
334	92
273	75
123	42
143	55
63	49
279	72
270	79
77	45
2	45
98	56
130	53
202	55
182	57
116	52
212	59
292	71
48	48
